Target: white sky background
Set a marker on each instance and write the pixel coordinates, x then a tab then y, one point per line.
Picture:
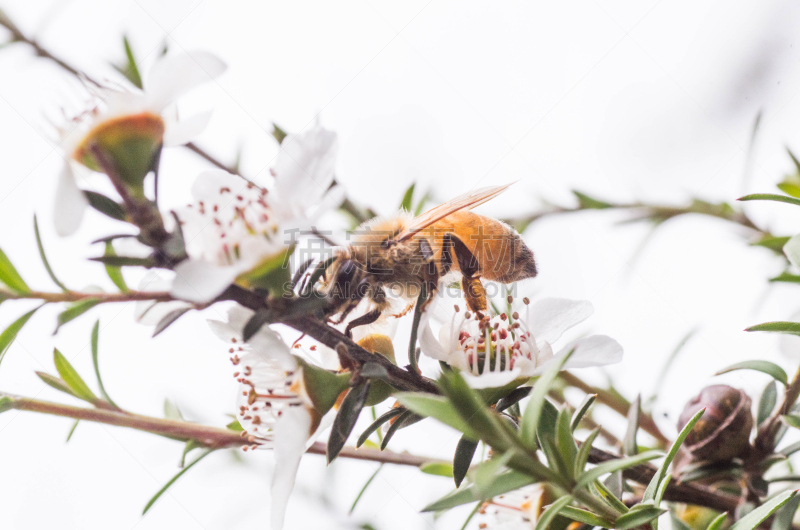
623	100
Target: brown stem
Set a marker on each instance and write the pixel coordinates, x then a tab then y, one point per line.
689	493
72	296
618	404
213	437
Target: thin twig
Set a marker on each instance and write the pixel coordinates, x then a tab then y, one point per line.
72	296
206	436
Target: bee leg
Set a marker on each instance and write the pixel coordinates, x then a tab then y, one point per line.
474	292
363	320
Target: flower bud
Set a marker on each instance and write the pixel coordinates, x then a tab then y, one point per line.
132	143
723	432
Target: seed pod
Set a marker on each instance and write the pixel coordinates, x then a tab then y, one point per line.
723	432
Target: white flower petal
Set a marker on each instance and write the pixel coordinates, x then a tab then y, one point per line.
305	165
597	350
428	343
291	433
792	250
549	318
491	379
70	203
184	131
174	75
200	281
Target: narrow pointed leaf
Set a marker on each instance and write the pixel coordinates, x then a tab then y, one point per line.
70	376
790	328
56	383
96	362
583	452
785	515
169	319
638	517
718	521
530	418
462	459
10	333
375	425
440	469
503	483
346	418
403	420
104	205
74	311
770	197
364	489
629	445
437	407
752	520
767	402
771	369
42	255
174	479
652	488
551	512
10	277
617	465
114	273
72	430
585	517
408	198
582	409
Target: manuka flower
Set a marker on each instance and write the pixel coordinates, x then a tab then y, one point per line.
495	351
127	129
281	400
238	232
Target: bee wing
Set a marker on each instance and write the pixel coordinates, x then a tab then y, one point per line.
467	201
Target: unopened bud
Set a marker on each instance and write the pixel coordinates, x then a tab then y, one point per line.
723	432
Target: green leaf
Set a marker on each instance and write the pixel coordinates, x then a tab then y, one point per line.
771	369
583	453
582	409
235	426
616	465
366	485
10	277
769	398
513	398
74	311
533	411
56	383
114	273
652	488
775	244
462	459
582	516
588	203
551	512
95	360
408	198
629	445
485	472
718	521
169	319
375	425
565	443
503	483
104	205
792	328
412	343
10	333
792	250
131	70
346	418
441	469
188	447
278	133
789	188
404	420
174	479
44	257
638	515
785	277
770	197
125	261
70	376
437	407
72	430
752	520
785	515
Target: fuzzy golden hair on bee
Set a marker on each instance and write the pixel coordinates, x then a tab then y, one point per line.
409	255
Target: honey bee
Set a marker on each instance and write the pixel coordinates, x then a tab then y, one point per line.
408	254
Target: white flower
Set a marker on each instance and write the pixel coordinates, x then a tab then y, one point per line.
304	173
272	406
230	229
516	510
144	113
234	227
520	346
